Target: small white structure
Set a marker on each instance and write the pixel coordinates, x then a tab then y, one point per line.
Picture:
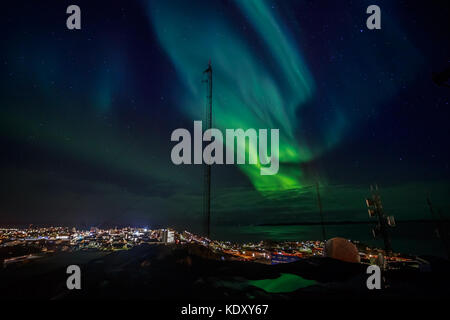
168	236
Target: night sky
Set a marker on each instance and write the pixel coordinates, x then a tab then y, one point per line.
86	115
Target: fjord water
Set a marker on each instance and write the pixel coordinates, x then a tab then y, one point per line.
415	238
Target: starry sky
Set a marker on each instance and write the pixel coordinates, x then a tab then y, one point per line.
86	115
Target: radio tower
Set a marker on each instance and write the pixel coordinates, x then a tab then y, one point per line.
207	168
324	237
384	222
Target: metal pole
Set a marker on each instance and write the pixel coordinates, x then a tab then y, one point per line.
321	212
439	225
207	171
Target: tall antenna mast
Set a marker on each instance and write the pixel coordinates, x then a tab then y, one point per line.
442	232
207	170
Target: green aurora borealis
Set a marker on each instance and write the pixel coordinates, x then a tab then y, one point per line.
263	83
246	94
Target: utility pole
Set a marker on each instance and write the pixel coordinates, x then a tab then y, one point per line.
384	222
207	168
440	227
320	210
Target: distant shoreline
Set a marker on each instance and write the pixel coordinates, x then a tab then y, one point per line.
312	223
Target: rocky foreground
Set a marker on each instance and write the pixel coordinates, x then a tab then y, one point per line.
165	272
